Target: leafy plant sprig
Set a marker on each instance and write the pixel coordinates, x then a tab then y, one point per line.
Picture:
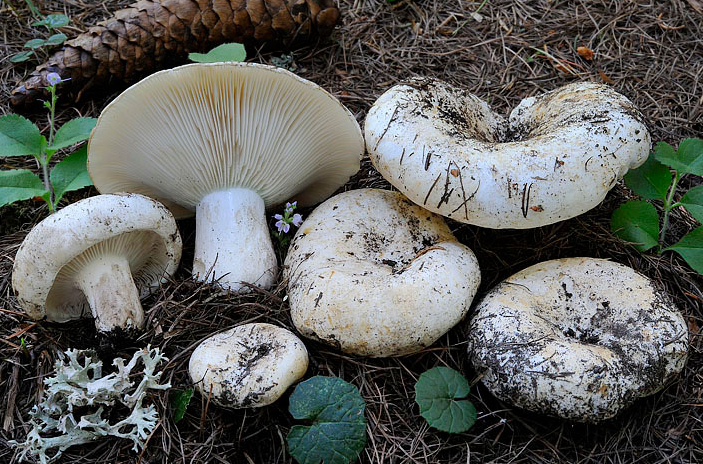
440	392
657	179
225	52
20	137
51	22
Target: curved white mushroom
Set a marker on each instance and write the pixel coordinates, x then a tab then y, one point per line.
557	156
375	275
579	338
226	140
96	256
248	366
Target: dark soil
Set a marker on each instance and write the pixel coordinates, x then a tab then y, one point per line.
651	51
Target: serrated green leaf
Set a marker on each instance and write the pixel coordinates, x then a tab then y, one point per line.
179	403
439	392
651	180
56	39
53	21
224	52
636	222
693	202
74	131
690	247
19	184
687	159
338	430
34	43
20	57
18	136
71	173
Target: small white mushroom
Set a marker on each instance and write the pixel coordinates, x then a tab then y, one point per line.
97	256
578	338
226	140
556	157
248	366
375	275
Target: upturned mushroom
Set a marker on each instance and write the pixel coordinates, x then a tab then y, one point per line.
375	275
226	140
248	366
97	256
578	338
556	156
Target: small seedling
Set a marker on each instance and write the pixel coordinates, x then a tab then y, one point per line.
337	433
224	52
51	22
20	137
284	221
439	392
657	180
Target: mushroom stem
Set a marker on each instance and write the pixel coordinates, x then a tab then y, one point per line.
107	284
232	241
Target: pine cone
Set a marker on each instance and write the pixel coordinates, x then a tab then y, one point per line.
148	34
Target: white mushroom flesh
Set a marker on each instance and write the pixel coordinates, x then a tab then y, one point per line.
557	156
375	275
248	366
579	338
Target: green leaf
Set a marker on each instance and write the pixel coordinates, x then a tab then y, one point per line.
439	392
690	247
338	430
56	39
693	202
224	52
19	184
636	222
53	21
20	57
179	403
651	180
71	173
18	136
34	43
688	158
74	131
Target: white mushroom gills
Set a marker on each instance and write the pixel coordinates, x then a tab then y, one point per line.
232	244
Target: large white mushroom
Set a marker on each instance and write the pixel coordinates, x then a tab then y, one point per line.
248	366
375	275
226	140
97	256
556	156
579	338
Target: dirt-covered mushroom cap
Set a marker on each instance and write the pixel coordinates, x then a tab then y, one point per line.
556	157
248	366
226	140
579	338
375	275
97	256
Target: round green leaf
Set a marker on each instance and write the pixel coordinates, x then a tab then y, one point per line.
22	56
224	52
690	247
53	21
651	180
56	39
19	184
693	202
34	43
337	433
636	222
439	392
19	136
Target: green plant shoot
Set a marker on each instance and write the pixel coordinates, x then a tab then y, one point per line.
51	22
20	137
657	180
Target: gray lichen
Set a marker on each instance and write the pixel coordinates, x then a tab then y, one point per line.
79	387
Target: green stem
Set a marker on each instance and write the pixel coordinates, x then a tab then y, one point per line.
45	157
668	206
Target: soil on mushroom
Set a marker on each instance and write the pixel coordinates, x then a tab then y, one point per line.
650	51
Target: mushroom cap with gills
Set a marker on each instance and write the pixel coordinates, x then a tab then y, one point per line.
97	255
226	140
557	155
